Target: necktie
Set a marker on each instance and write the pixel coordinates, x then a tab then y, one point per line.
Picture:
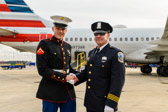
97	51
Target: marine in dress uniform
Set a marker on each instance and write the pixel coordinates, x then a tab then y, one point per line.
104	72
53	57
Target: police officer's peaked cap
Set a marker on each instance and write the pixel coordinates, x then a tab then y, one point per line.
101	26
60	21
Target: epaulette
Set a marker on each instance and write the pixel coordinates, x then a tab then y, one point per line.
114	48
49	39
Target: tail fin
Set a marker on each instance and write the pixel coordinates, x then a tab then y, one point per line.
14	6
16	13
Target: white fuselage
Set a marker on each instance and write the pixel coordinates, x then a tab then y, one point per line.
129	40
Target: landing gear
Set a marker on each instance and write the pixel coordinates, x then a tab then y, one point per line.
158	71
146	69
162	71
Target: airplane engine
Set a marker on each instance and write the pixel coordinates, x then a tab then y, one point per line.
140	57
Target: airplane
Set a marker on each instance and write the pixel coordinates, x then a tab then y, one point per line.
22	29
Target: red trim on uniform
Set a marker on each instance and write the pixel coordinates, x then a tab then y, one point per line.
21	23
55	40
54	101
52	76
62	56
22	38
61	50
4	8
68	92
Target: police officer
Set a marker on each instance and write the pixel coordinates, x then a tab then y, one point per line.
104	72
53	63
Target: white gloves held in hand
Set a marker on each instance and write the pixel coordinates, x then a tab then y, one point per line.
108	109
71	81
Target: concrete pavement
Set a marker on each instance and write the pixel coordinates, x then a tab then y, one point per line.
141	93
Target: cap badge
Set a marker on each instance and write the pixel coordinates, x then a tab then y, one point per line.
98	25
61	18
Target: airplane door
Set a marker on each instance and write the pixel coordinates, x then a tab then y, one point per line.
42	36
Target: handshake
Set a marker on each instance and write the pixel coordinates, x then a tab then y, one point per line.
71	78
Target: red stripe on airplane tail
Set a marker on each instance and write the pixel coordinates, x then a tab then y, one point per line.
4	8
25	38
21	23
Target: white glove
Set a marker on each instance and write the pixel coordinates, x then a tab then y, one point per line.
71	81
72	74
108	109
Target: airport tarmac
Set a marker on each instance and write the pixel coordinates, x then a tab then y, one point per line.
141	92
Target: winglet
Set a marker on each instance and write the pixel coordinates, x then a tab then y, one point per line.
165	34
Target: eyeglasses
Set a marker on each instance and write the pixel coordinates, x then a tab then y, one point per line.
101	34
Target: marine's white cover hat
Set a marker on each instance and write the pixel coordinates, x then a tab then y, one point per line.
60	21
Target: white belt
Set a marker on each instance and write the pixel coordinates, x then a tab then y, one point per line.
62	71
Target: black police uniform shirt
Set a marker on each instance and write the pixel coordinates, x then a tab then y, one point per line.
54	54
105	76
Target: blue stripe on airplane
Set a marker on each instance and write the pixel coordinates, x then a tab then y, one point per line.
16	2
20	9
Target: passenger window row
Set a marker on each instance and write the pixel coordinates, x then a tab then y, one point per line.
114	39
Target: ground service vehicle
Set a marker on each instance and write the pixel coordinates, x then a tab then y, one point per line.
11	66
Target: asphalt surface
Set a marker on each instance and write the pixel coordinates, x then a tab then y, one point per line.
141	92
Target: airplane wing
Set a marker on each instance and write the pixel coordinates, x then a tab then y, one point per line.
161	48
21	50
7	32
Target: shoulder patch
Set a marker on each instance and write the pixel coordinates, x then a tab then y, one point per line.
40	51
120	57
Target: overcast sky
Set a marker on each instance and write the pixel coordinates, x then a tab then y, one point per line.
132	13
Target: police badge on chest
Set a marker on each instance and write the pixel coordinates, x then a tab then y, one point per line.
104	59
